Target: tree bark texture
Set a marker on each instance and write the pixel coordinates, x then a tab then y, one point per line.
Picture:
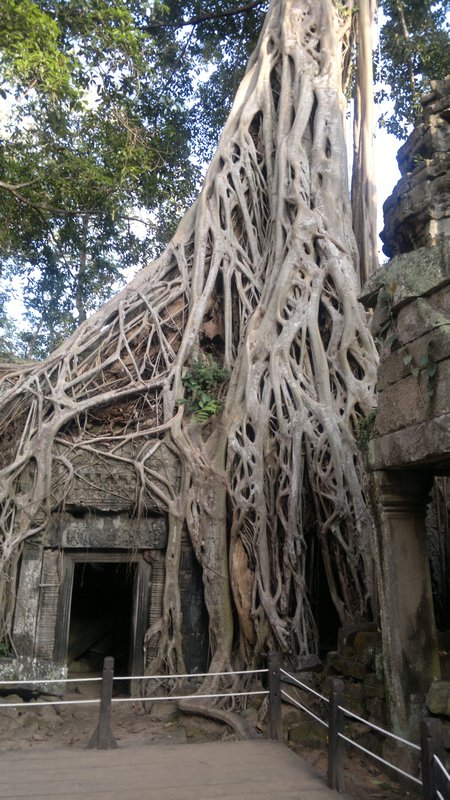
262	273
364	202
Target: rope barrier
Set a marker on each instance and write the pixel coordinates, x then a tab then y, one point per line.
188	675
182	697
380	730
441	767
295	682
39	682
45	681
358	746
305	686
304	708
130	699
380	759
26	705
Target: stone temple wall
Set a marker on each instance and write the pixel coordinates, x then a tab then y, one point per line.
410	442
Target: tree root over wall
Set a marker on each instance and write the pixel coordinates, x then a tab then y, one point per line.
262	274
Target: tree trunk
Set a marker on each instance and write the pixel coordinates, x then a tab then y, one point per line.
261	273
364	202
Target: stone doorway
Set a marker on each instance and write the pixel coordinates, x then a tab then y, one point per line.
100	616
103	610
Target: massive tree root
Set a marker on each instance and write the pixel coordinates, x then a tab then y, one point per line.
262	274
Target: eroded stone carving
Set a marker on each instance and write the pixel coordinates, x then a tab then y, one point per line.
107	532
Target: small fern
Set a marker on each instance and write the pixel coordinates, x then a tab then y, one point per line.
202	383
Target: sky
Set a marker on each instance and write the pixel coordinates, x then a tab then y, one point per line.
386	172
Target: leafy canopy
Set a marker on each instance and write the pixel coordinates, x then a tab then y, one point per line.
109	120
415	49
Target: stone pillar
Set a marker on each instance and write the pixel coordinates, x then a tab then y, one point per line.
27	601
410	647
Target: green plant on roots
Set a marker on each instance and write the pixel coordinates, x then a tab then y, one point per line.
5	652
202	383
365	429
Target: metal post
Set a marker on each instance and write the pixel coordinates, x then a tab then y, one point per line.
335	743
275	727
431	743
103	738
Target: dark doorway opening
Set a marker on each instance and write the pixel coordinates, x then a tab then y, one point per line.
322	606
101	616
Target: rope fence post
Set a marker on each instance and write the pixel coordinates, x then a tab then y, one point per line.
335	743
431	744
103	738
275	727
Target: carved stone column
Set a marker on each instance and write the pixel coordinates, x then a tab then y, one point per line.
27	601
410	648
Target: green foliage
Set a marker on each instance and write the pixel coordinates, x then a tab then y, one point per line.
30	54
424	362
83	160
202	383
427	363
365	429
104	119
107	125
5	651
415	49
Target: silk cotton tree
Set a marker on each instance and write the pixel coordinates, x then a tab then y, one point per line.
258	285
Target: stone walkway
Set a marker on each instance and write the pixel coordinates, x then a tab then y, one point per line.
213	771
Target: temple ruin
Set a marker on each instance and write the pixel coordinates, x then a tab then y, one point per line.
411	435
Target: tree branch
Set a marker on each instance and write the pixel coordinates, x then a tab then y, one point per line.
200	18
14	188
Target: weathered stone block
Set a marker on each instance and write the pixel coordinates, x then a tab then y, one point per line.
376	709
420	317
109	486
427	139
444	658
307	735
425	442
353	695
438	698
347	633
409	276
392	366
407	403
446	734
373	687
365	644
418	212
348	667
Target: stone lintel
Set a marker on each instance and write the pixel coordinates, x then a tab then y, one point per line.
106	532
410	275
426	444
